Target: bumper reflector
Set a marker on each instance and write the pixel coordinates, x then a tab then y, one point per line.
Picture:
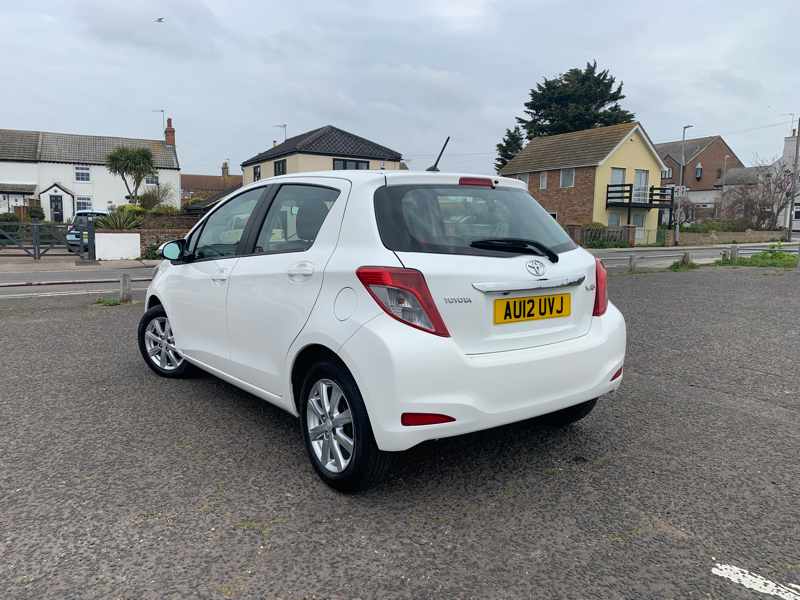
413	419
617	374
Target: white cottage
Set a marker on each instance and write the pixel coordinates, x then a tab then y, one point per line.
64	172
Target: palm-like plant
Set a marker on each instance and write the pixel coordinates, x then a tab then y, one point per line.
132	164
119	220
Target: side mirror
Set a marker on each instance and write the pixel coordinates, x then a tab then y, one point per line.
172	250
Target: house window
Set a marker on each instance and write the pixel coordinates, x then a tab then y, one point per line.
698	171
640	186
83	203
617	176
256	172
280	167
342	164
543	180
525	177
568	177
82	173
151	179
613	219
666	174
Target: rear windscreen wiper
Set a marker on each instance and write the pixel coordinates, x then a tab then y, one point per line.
516	245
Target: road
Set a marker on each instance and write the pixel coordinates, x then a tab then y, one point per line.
115	483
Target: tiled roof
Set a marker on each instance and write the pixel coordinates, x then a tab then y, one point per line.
17	188
43	146
208	183
329	141
693	147
575	149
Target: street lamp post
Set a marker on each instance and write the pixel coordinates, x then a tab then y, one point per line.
683	164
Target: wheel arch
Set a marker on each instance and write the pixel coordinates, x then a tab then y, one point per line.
307	356
152	301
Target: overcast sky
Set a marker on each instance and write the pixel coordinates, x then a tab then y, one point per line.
404	74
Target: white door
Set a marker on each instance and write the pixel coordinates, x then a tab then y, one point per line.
273	290
196	292
638	220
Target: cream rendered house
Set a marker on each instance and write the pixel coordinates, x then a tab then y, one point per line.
324	149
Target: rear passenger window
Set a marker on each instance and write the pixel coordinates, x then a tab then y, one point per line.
295	218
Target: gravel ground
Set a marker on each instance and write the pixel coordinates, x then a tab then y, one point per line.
117	484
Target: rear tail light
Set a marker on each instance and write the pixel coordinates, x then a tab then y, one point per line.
404	295
617	375
413	419
601	289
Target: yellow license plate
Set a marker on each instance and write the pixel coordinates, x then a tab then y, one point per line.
531	308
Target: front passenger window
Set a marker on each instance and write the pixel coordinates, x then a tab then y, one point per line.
295	218
225	226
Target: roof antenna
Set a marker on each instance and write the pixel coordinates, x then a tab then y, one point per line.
435	166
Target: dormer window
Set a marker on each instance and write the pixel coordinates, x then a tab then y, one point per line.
698	171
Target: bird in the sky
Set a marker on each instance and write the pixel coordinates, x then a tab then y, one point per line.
159	20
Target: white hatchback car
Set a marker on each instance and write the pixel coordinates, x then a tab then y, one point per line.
385	309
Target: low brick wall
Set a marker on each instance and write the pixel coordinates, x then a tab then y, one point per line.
581	234
156	237
169	221
724	237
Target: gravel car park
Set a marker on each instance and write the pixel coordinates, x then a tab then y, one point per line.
116	483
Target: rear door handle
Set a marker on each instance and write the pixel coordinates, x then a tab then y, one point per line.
300	271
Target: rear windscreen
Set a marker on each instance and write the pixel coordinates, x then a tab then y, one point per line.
447	218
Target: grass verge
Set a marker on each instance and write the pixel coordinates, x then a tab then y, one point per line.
108	301
774	258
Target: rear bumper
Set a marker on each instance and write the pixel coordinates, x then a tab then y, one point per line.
400	369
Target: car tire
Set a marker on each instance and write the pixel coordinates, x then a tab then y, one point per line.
568	416
364	464
165	361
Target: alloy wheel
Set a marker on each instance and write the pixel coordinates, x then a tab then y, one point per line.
329	423
159	342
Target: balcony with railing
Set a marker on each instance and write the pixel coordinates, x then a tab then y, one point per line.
627	195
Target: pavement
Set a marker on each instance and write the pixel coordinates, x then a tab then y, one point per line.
115	483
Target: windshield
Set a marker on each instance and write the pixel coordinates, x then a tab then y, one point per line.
448	218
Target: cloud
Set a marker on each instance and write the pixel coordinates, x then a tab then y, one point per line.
405	76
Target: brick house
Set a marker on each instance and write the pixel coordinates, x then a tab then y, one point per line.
609	175
194	187
707	161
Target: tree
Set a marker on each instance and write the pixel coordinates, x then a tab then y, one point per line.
575	100
156	195
758	204
509	147
132	164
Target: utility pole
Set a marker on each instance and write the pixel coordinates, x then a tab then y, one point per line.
721	206
790	208
683	187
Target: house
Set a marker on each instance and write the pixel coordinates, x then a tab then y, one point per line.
194	187
707	161
609	175
321	149
65	172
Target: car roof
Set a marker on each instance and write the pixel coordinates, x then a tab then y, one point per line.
397	177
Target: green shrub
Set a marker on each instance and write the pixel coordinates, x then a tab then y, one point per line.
606	244
9	217
120	220
36	213
774	257
164	209
131	209
715	225
151	252
596	225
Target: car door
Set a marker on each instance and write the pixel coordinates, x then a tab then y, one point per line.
196	293
273	290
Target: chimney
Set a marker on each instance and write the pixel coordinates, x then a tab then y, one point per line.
274	143
225	169
169	133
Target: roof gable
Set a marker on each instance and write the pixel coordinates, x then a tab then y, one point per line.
694	147
329	141
583	148
43	146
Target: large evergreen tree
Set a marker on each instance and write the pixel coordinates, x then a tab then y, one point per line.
509	147
575	100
